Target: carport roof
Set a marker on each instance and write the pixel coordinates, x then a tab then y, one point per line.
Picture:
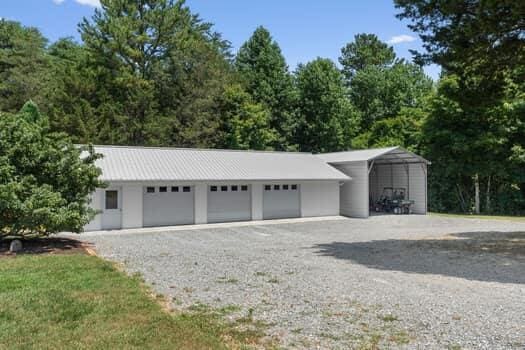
380	155
123	163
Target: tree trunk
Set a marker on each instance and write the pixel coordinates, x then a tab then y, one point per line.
461	198
487	197
476	194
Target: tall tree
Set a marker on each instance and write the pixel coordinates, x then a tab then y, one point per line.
156	60
265	76
477	40
23	65
327	119
246	123
365	51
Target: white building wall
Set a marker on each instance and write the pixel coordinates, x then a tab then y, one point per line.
131	205
353	194
319	198
257	201
418	187
95	203
201	203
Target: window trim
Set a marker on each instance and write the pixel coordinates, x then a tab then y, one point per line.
276	187
106	207
294	187
186	189
224	188
174	188
285	187
244	187
267	187
150	189
234	188
213	188
163	189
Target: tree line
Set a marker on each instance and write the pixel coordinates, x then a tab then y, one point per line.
155	73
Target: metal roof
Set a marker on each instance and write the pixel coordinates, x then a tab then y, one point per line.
379	155
123	163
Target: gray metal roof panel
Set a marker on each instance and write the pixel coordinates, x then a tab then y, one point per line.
122	163
394	153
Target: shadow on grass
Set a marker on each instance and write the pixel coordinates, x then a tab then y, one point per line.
481	256
49	245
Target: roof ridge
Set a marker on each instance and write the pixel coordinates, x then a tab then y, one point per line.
200	149
362	149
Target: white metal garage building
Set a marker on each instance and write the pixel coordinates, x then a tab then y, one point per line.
168	186
151	186
372	170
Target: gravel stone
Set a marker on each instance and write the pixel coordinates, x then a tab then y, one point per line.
408	282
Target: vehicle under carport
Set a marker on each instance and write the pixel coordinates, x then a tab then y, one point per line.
374	171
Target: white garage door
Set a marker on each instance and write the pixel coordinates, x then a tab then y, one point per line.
281	201
168	205
229	203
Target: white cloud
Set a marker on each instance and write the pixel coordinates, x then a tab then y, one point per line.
58	2
94	3
398	39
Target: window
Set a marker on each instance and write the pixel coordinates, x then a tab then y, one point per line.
150	189
294	187
163	189
235	188
186	189
267	187
276	187
224	188
174	188
244	188
111	199
285	187
213	188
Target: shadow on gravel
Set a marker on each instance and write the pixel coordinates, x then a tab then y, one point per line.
481	256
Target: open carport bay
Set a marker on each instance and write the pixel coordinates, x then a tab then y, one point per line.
390	281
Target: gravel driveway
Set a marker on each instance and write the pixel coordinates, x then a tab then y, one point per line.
416	282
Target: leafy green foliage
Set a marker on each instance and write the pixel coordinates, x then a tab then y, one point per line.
247	124
327	119
264	74
44	182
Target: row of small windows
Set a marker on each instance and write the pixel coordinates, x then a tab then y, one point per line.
279	187
164	189
233	188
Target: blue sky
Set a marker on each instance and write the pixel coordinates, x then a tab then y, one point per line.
303	29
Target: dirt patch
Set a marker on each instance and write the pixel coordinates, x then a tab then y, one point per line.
50	245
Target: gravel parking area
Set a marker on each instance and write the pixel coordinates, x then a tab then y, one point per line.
414	282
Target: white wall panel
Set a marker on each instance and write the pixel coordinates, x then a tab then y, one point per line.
201	203
132	206
354	193
257	201
418	187
95	203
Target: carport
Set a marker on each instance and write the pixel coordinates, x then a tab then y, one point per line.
372	171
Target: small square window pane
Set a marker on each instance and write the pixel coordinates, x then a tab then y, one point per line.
267	187
224	188
285	187
244	188
163	189
111	199
235	188
294	187
213	188
150	189
276	187
174	188
186	189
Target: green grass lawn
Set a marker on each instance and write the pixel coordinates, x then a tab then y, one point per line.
77	301
487	217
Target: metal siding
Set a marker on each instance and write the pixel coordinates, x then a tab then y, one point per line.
281	204
171	164
418	189
353	195
230	205
168	208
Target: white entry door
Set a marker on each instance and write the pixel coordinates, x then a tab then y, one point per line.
112	212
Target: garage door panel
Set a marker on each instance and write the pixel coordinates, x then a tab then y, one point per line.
225	205
168	208
281	203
